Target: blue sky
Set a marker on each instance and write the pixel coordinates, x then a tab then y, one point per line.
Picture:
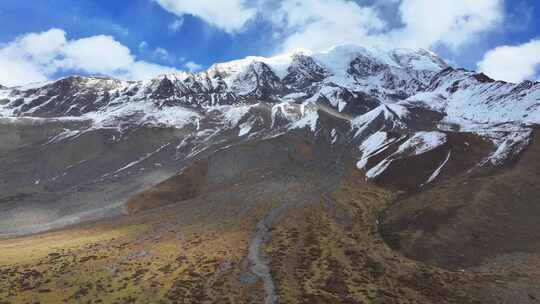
168	35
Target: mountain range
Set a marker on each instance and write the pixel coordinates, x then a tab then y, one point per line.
351	175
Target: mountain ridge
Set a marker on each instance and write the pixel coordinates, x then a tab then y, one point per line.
407	91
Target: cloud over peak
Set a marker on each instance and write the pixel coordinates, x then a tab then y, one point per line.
512	63
451	23
320	24
36	57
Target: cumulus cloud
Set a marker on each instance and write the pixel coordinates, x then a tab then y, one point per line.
512	63
320	24
41	47
15	69
140	70
37	57
98	54
452	23
229	15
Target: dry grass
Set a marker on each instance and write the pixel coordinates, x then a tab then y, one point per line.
152	258
332	253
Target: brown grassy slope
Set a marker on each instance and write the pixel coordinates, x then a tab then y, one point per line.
331	252
187	185
465	220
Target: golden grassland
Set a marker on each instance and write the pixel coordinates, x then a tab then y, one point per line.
154	258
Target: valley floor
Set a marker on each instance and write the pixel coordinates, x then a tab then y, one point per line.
326	250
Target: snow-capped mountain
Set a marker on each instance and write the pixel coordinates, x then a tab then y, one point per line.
391	110
342	76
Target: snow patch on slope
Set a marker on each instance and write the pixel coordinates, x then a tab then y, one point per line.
232	114
245	128
438	170
309	117
142	113
393	114
509	145
375	143
334	136
140	160
419	143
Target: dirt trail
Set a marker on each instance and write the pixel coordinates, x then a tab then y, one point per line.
257	260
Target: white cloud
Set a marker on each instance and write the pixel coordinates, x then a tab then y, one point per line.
143	70
193	67
512	63
97	54
229	15
176	25
30	58
452	23
319	24
39	56
15	69
42	47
